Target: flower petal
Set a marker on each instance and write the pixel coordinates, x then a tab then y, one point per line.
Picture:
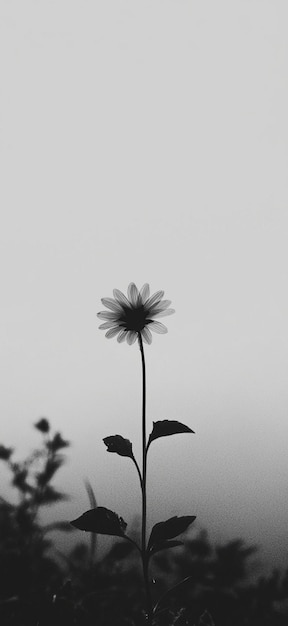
112	332
131	337
122	336
119	296
164	313
157	327
108	325
163	304
145	332
107	315
157	296
145	292
112	304
133	294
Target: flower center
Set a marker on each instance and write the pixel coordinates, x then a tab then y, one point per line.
134	318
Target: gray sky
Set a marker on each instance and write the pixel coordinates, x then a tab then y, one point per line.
148	142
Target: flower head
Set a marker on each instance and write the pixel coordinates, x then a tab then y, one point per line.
128	317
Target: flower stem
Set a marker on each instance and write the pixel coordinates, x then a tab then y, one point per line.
143	488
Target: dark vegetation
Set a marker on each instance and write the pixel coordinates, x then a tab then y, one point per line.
39	586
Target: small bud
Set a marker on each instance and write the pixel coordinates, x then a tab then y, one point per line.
5	453
43	425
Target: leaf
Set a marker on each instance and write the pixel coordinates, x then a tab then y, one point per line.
57	443
169	529
163	545
164	428
101	520
116	443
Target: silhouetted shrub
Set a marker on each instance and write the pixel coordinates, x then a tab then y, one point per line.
36	590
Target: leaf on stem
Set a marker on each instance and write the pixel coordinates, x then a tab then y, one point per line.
116	443
164	428
102	521
173	527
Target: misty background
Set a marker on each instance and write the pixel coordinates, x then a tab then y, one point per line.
147	142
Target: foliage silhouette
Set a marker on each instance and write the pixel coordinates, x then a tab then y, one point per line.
86	589
25	564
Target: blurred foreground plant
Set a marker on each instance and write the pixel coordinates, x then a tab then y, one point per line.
23	540
131	318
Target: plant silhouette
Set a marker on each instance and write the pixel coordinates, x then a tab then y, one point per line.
131	318
24	542
193	584
85	588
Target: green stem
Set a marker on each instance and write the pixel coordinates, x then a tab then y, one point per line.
143	488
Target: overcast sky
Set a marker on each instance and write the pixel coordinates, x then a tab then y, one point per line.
147	141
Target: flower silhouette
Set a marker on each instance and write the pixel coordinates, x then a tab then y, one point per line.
133	315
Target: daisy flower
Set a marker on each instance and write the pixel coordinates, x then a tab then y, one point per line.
130	316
